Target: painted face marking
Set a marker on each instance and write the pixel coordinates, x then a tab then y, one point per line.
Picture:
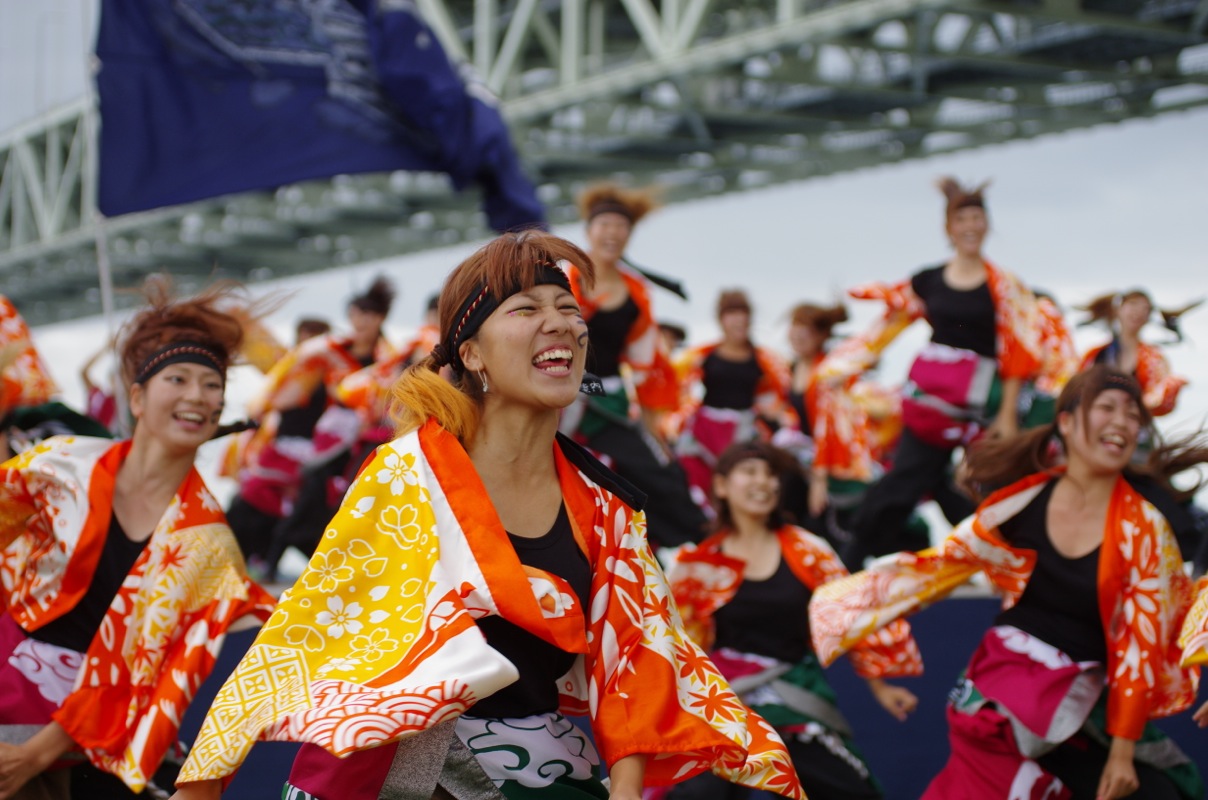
582	339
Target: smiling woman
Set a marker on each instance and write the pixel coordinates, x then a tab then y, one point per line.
117	563
442	632
1058	698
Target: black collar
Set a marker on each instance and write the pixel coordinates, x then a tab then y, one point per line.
582	458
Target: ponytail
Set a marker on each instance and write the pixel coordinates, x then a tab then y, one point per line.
421	393
992	464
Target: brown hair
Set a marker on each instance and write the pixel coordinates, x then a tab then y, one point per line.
732	300
311	326
1103	308
378	298
781	462
994	463
210	319
511	260
959	197
822	319
600	198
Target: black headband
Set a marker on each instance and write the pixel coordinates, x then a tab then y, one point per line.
181	353
609	207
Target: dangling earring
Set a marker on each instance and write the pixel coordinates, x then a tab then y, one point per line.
483	378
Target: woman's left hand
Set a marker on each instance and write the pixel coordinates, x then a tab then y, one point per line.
1201	716
898	701
19	763
625	777
1004	426
818	494
17	767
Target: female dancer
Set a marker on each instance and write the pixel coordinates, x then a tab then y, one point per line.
851	422
1057	698
984	344
442	628
1126	314
298	391
624	332
739	593
732	388
121	577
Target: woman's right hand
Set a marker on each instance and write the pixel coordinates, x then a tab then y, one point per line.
198	790
1119	778
1201	716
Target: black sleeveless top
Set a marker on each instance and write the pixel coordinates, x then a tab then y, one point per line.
730	384
961	318
1060	605
76	629
768	617
540	663
608	331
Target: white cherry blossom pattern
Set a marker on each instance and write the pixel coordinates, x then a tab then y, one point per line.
339	617
399	472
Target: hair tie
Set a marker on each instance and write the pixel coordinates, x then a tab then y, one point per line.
440	355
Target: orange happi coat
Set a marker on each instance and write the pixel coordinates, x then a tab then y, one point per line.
414	556
160	637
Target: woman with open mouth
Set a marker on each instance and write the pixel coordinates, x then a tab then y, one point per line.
1058	698
744	592
120	574
484	578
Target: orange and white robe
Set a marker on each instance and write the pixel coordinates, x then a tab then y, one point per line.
704	579
159	639
1144	597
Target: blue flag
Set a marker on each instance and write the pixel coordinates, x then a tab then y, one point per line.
200	98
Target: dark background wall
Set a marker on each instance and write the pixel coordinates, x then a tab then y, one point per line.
905	756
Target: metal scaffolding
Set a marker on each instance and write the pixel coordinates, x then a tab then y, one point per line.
704	96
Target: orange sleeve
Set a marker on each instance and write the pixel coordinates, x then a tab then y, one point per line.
1017	323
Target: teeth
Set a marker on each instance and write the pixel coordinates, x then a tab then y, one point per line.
550	355
189	416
